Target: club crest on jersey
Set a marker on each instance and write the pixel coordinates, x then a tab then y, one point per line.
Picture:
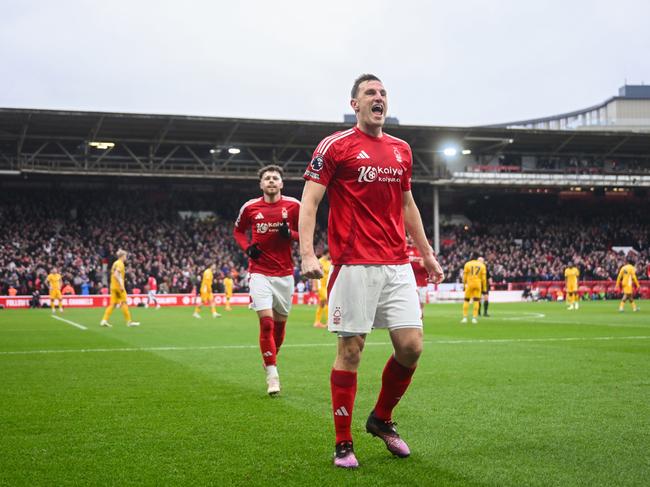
285	213
317	163
398	156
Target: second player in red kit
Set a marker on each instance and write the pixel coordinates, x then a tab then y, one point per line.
420	272
272	221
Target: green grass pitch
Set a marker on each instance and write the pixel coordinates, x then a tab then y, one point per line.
533	396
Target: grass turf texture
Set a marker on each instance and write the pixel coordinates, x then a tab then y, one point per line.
535	395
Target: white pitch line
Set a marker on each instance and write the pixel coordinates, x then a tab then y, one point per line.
81	327
311	345
525	316
590	323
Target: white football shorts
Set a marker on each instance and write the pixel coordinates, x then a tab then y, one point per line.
363	297
271	292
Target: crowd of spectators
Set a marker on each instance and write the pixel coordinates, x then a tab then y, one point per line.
520	247
80	233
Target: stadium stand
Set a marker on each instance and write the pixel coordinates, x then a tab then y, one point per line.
75	186
80	231
531	237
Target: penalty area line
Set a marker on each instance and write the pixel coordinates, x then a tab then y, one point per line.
310	345
81	327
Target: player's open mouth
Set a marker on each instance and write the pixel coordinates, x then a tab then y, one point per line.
378	109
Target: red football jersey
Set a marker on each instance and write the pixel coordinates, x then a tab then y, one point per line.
153	285
421	274
365	178
263	219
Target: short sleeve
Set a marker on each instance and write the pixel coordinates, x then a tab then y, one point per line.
323	163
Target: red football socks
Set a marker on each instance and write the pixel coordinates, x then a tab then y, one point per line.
394	382
267	342
344	390
278	334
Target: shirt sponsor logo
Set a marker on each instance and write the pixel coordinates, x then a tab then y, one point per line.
265	227
368	174
317	163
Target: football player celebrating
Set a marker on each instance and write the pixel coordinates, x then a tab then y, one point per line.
272	220
367	176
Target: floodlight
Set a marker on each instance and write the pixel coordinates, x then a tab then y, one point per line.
101	145
450	151
234	150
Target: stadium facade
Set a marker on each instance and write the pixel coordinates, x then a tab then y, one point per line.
629	111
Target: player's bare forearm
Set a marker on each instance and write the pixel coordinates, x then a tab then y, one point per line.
311	197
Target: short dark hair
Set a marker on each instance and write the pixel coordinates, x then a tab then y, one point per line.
473	255
361	79
270	168
630	258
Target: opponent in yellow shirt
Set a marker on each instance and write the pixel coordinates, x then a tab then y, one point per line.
626	281
475	280
320	285
571	274
54	284
118	292
228	285
207	297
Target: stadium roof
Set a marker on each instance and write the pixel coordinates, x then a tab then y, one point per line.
58	142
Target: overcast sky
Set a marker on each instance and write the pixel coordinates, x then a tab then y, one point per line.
443	63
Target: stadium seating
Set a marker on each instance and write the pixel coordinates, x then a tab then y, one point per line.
80	232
